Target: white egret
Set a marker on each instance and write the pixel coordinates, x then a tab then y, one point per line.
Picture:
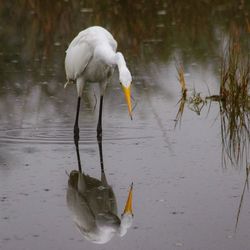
92	57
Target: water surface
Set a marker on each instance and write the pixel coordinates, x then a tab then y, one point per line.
185	196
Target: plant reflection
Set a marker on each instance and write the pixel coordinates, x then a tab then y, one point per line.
179	114
234	107
195	102
235	134
246	185
233	100
92	203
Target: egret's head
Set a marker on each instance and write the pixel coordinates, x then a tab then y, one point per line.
125	80
126	223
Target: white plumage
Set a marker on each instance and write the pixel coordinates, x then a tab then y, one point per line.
92	57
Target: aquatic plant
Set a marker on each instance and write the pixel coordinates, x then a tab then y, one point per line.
182	101
181	79
235	101
195	102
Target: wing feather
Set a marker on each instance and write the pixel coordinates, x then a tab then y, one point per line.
77	58
81	49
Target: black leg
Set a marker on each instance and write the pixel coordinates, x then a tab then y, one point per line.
99	125
76	134
78	158
76	127
103	176
99	140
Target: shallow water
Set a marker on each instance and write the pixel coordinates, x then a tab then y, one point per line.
184	195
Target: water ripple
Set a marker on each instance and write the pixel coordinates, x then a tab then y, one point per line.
63	135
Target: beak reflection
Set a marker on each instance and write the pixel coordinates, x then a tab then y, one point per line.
93	205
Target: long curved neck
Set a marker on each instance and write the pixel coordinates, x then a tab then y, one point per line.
112	58
120	61
124	74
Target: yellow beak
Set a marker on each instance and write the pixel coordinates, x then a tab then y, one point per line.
128	206
126	91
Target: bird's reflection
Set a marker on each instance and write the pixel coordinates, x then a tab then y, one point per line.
92	203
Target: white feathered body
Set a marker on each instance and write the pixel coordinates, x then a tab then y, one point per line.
90	57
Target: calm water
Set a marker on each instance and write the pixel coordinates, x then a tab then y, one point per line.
186	192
